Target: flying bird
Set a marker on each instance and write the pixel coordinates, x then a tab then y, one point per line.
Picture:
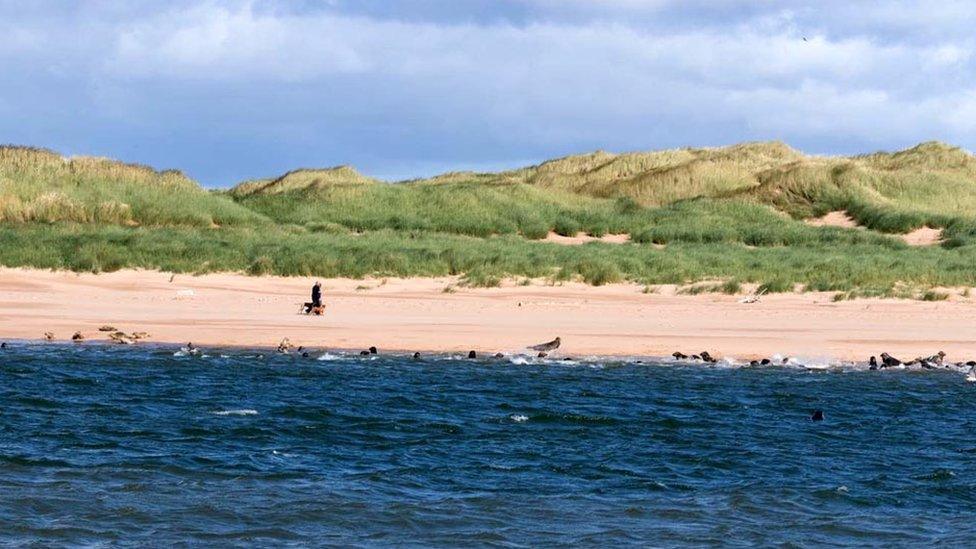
546	347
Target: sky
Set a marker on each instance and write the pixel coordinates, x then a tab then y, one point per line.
228	90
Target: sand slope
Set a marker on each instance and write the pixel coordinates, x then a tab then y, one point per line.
922	236
416	314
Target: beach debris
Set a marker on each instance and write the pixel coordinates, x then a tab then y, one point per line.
548	346
107	328
754	298
172	277
472	354
818	415
139	335
48	336
185	293
77	337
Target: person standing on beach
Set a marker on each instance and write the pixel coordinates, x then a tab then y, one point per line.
317	295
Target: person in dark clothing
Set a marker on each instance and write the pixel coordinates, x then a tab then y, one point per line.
317	295
316	302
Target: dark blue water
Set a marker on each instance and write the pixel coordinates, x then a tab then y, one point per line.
105	445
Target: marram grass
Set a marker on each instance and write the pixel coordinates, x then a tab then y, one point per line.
731	214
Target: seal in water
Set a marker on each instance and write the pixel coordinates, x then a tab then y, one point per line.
707	357
372	350
363	353
765	362
542	354
817	415
678	355
472	354
873	363
416	356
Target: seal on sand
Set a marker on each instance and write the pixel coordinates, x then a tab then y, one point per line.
889	361
546	347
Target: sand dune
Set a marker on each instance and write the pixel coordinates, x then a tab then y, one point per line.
416	314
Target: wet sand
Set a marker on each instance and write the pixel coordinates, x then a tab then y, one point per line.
417	314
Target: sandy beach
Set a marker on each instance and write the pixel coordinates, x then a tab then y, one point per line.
418	314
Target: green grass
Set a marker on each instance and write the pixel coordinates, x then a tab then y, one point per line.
731	215
483	262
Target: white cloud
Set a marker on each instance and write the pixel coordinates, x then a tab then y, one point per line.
567	76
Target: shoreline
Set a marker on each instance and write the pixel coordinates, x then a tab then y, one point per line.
435	316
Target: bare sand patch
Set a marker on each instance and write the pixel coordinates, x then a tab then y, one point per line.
834	219
416	314
923	236
583	238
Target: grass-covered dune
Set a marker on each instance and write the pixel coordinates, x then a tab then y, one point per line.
732	214
41	186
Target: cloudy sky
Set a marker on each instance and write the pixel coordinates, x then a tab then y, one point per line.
233	89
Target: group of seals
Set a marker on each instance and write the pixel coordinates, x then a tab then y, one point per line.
116	336
929	362
704	356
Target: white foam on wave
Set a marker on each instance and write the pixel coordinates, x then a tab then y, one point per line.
519	418
241	412
519	360
328	356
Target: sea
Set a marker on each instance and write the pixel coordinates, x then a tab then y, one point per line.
152	446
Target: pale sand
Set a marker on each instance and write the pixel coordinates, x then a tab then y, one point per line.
583	238
922	236
416	314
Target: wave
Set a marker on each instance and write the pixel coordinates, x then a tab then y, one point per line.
241	412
